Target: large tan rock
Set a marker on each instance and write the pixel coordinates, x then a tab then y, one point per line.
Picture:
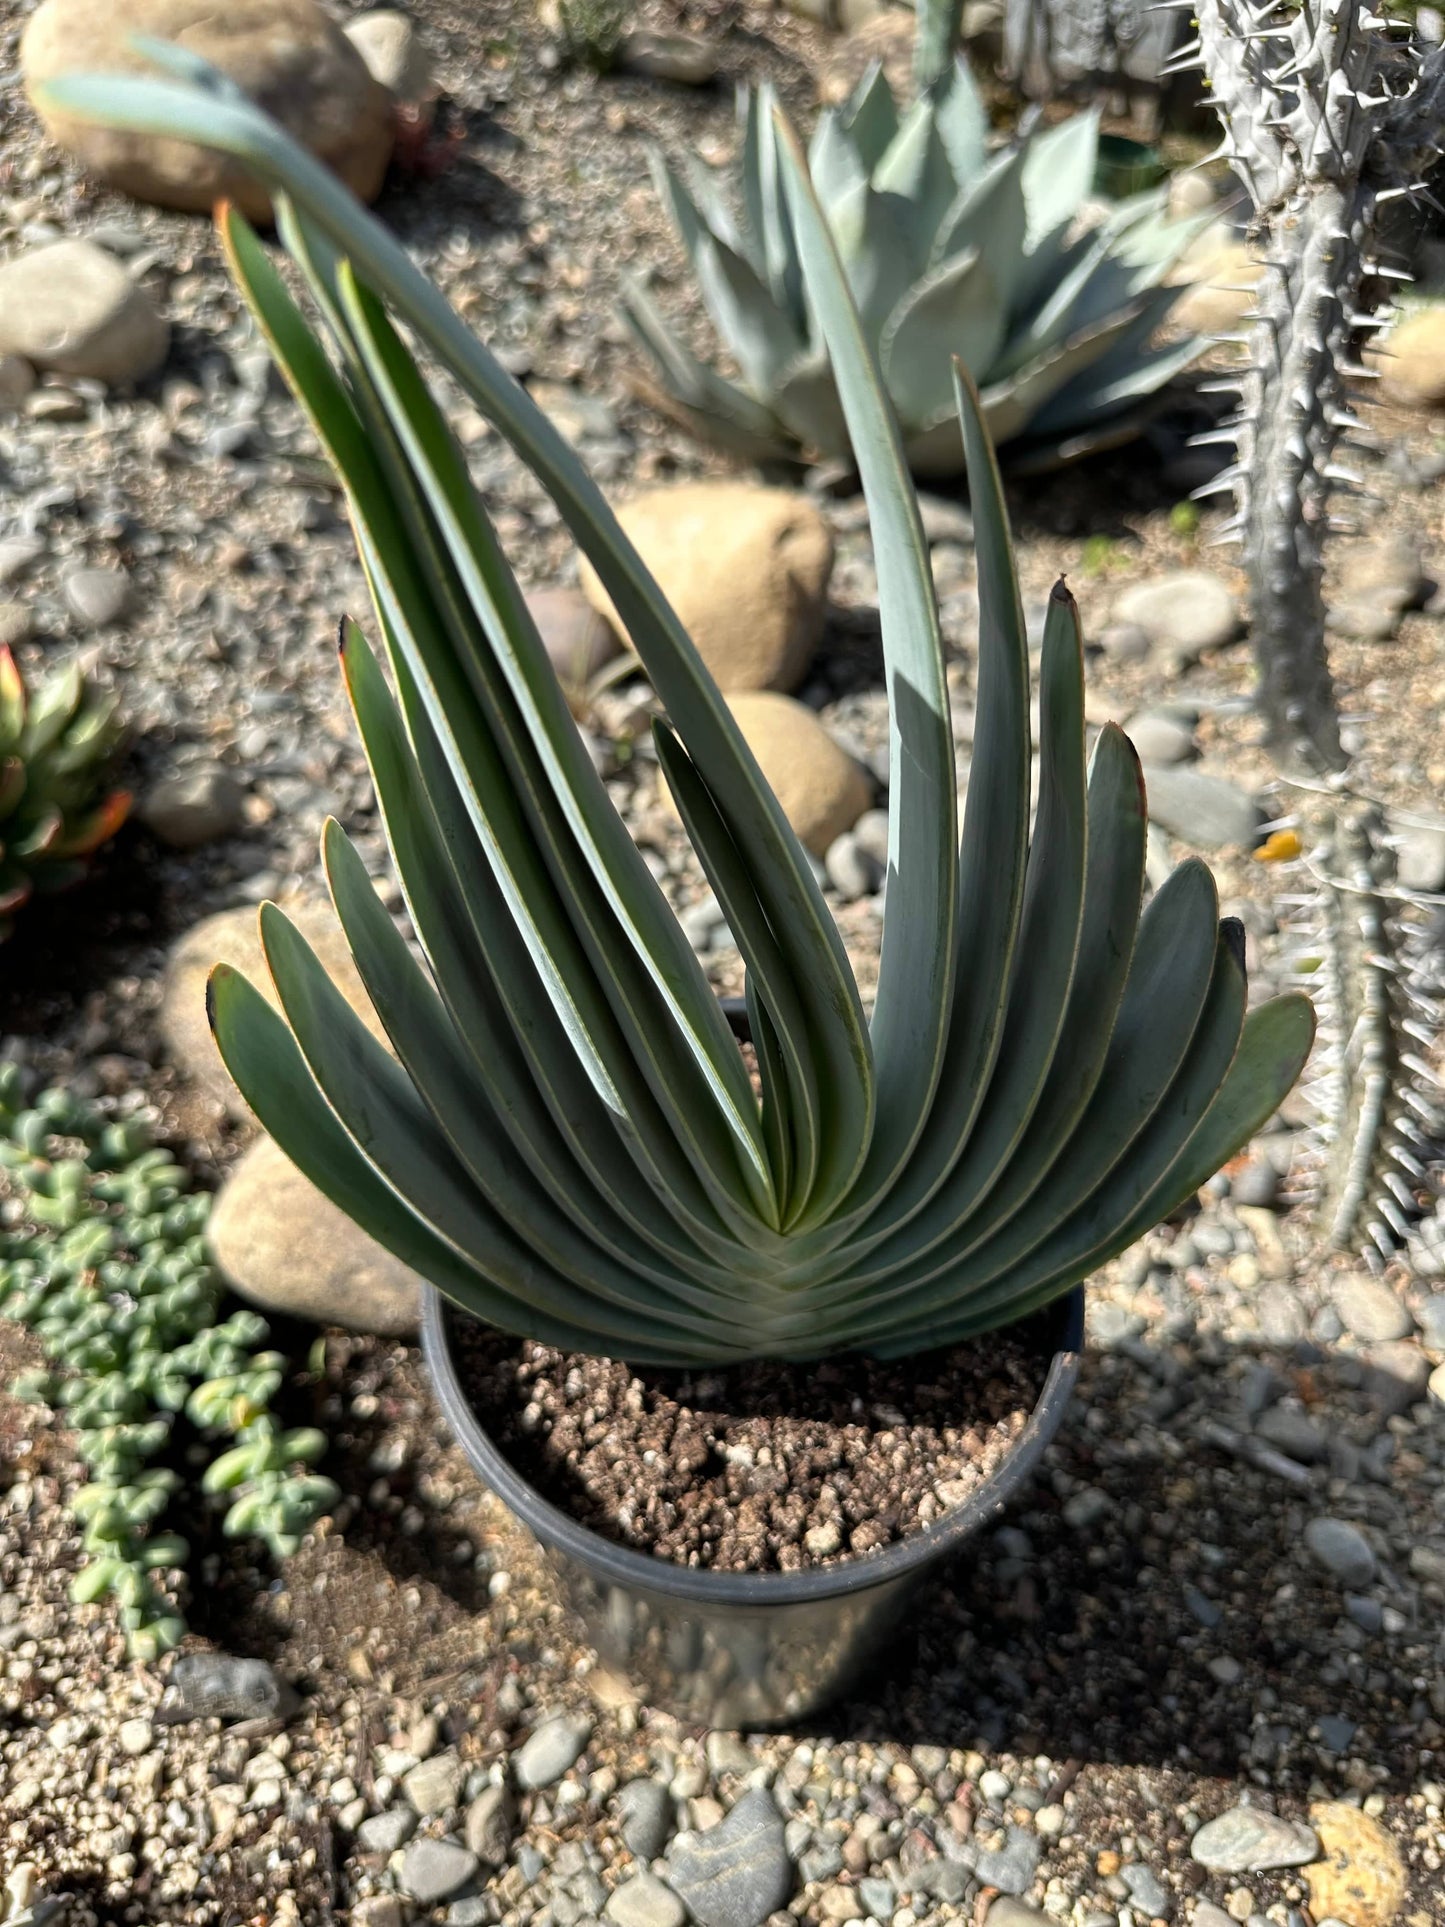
823	791
287	54
1220	275
284	1247
233	937
746	569
71	308
1360	1875
1411	360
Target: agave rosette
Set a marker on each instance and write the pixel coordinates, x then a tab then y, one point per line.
56	745
566	1140
951	248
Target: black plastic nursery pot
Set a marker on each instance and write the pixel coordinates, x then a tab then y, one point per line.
743	1649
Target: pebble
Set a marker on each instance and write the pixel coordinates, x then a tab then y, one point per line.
16	624
1256	1183
547	1753
737	1873
217	1686
1160	738
1369	1309
1252	1840
433	1870
644	1901
194	807
96	597
995	1787
1124	641
385	1832
1294	1433
870	833
1360	1876
435	1784
1007	1911
1146	1889
647	1814
17	380
1396	1374
684	59
490	1823
135	1736
879	1896
1188	609
72	309
1206	811
1420	859
18	556
852	872
1342	1550
1011	1867
1436	1384
377	1910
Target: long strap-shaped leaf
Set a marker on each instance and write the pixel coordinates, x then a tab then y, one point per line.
636	937
264	1058
405	599
518	1048
920	938
1174	961
572	1233
1271	1052
222	118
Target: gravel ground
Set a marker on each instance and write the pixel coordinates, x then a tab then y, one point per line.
1165	1626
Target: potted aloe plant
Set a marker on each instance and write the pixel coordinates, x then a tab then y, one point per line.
749	1343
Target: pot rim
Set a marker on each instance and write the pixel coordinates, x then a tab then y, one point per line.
623	1566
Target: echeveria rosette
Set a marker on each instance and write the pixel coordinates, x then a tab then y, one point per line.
951	248
563	1136
58	745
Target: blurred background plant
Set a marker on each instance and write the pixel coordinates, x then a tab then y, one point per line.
58	746
952	247
103	1257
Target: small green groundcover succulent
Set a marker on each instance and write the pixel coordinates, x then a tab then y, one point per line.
951	249
104	1258
57	745
567	1140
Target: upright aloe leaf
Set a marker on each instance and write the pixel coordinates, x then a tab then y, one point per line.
565	1139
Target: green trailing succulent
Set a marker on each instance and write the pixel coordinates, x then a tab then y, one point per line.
105	1260
567	1141
57	746
951	249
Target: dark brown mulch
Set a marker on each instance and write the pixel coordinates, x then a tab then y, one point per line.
764	1466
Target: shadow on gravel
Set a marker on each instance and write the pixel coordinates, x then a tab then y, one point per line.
1151	1599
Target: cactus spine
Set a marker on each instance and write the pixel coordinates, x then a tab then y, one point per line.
1325	120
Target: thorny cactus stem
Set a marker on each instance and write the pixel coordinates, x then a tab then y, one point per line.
1325	118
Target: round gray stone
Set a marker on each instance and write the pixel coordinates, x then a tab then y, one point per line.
1201	809
385	1832
545	1755
644	1901
433	1870
194	807
1160	738
1252	1840
490	1823
738	1872
1369	1309
1188	609
96	597
435	1784
1342	1550
646	1812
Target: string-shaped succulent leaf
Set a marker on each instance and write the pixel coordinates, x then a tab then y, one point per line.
561	1137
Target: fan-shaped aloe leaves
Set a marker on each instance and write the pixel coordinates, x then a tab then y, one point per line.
563	1135
950	251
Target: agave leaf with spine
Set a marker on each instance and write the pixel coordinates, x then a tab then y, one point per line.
563	1140
950	250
